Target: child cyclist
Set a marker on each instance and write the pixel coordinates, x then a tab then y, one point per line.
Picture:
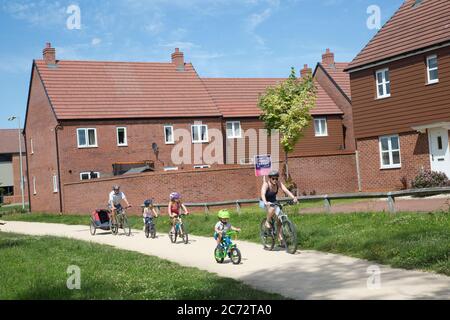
223	226
149	212
174	209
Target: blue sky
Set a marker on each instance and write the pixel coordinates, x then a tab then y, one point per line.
222	38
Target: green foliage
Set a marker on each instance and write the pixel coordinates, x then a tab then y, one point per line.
286	107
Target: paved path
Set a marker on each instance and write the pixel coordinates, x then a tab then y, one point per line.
407	205
305	275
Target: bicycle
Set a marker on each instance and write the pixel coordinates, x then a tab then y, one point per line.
150	227
121	222
288	230
180	231
228	248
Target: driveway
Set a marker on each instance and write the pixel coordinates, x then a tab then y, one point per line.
305	275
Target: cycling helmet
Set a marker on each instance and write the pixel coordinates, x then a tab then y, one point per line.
175	196
148	202
224	214
274	173
116	187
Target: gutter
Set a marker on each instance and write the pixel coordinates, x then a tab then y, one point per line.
57	127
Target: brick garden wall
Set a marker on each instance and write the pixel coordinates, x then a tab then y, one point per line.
325	174
414	157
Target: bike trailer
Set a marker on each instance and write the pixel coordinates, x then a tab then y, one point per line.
101	218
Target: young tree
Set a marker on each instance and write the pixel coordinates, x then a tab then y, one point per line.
286	107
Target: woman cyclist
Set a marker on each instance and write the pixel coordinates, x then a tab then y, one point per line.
174	209
269	193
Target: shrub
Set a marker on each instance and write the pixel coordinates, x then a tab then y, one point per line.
430	179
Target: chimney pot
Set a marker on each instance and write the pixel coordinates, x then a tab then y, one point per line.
328	58
178	59
305	71
49	54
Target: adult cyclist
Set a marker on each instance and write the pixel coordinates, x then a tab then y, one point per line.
115	199
269	191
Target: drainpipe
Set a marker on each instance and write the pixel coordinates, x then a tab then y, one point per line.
58	126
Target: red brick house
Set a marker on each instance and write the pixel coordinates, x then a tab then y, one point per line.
88	120
10	166
400	85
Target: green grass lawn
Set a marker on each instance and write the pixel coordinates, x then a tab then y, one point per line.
36	268
405	240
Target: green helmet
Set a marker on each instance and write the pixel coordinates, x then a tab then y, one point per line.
224	214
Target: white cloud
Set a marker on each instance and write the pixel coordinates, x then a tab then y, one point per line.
39	13
180	44
96	41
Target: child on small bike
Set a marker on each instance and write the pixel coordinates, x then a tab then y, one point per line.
174	209
149	212
223	226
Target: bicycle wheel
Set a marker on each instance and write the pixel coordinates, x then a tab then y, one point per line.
114	228
173	235
184	234
153	232
219	255
126	226
290	236
147	230
92	228
235	255
267	238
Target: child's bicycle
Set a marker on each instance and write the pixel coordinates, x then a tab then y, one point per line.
228	248
150	227
180	231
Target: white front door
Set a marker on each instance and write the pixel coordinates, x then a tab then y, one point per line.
439	150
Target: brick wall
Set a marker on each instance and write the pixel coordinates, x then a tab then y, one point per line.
325	174
414	157
195	186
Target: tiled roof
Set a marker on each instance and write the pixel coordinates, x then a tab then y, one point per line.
9	141
92	90
238	97
339	76
411	28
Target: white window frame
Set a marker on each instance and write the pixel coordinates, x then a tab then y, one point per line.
86	134
170	168
165	135
390	151
89	174
34	186
432	81
125	144
199	126
322	133
31	146
233	130
383	83
202	167
55	183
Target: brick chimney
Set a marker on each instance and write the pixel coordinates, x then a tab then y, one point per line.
49	54
178	59
328	58
305	71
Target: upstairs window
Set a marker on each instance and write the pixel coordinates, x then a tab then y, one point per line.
122	137
390	152
233	130
199	133
87	137
168	135
432	69
320	127
383	83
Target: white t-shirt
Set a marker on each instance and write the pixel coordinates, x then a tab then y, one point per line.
116	198
222	227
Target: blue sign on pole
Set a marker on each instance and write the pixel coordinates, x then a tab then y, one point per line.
263	165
